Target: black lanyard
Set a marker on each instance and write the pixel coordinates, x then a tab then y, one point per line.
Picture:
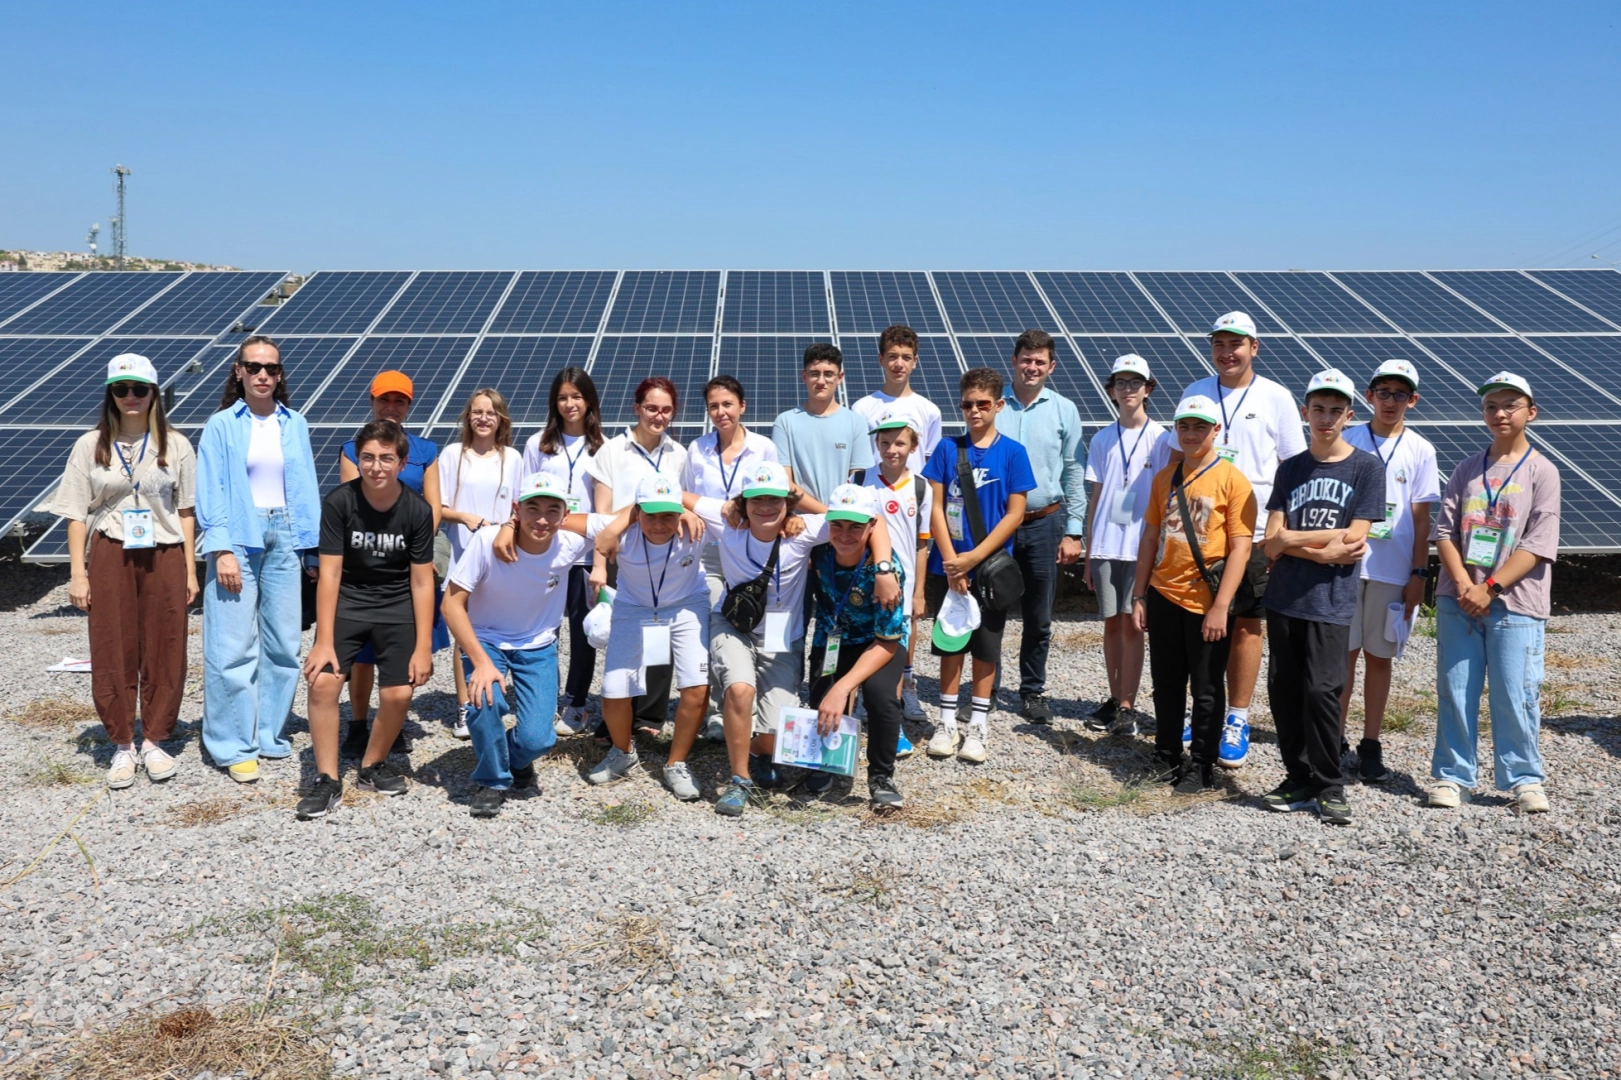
647	556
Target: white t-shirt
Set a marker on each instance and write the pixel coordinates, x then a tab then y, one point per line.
672	571
485	486
1149	449
571	464
621	464
708	477
871	407
906	508
1262	428
265	465
1410	477
517	605
742	557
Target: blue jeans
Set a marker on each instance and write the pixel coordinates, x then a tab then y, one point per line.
532	678
250	649
1509	647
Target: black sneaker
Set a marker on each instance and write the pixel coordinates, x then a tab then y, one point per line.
763	771
487	802
381	778
1105	711
818	782
1332	806
1131	722
1290	796
1371	762
1163	771
324	797
354	740
1195	778
523	779
882	791
1035	709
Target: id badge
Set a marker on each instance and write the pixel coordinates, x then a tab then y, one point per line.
1121	505
776	632
830	658
655	643
138	529
1381	530
954	518
574	506
1227	454
1482	549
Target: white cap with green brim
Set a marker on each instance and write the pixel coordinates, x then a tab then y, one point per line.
1396	369
1131	364
1332	381
543	486
1198	407
658	494
852	502
768	478
131	367
1506	380
957	621
896	417
1235	322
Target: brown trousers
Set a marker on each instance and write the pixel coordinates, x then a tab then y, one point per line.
137	636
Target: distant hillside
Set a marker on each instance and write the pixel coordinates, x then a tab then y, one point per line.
69	260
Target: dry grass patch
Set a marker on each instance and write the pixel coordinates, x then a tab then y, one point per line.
1077	637
1404	711
46	713
193	1041
622	815
868	885
634	943
1089	792
58	774
1562	662
212	810
1559	697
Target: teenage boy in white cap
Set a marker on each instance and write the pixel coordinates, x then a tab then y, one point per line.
1397	561
1318	517
1260	427
1120	466
1497	534
1184	599
504	617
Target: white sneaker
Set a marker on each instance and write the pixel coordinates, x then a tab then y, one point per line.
1446	795
571	721
463	714
158	765
973	747
911	707
615	765
678	778
122	772
1531	798
944	742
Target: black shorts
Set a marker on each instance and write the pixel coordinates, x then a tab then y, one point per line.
985	643
1247	600
392	643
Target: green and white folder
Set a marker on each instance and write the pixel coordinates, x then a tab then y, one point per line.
800	743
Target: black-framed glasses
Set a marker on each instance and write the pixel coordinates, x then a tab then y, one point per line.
253	367
130	389
1130	385
1400	397
977	406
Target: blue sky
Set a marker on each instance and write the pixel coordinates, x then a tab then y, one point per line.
863	135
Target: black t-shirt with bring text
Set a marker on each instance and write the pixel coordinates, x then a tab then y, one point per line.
379	547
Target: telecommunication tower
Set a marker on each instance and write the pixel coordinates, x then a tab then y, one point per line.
118	222
95	230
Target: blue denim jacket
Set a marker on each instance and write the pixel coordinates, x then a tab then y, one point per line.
225	511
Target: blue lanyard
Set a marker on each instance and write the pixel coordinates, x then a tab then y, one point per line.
1125	465
573	461
1491	499
839	609
129	470
638	448
1221	399
748	550
1201	472
647	555
720	463
1384	459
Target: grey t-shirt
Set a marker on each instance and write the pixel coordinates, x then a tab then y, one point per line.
1527	510
1317	495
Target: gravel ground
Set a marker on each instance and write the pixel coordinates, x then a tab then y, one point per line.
1029	917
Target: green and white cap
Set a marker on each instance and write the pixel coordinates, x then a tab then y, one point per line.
895	417
852	502
1396	369
658	494
957	621
1506	380
768	478
1334	381
543	486
1235	322
1131	364
1198	407
131	367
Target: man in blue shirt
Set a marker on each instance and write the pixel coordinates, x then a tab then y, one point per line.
1049	536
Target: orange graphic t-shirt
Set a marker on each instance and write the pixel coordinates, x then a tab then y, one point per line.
1222	505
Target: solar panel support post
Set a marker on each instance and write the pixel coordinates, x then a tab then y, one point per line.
833	332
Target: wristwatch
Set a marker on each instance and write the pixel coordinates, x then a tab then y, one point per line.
1494	587
883	567
1421	572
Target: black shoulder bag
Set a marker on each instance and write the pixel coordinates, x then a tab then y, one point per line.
998	582
745	603
1211	572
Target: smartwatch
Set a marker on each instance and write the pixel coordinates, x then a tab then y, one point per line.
883	567
1494	587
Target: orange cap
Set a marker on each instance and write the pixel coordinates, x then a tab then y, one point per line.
392	382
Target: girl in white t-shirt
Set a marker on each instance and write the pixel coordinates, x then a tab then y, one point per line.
478	477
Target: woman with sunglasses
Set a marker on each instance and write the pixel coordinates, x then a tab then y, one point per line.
391	395
127	494
258	506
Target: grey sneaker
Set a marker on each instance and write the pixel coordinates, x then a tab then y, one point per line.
678	778
714	731
614	766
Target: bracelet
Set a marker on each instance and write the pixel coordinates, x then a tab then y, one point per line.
1143	599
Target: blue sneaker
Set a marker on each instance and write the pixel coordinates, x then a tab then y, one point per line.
763	772
1187	730
903	746
1235	742
734	798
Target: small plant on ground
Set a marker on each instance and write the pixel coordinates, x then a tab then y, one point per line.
195	1041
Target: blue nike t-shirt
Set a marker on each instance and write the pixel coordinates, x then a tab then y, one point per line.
1001	470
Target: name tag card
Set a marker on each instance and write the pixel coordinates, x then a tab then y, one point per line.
1381	530
655	643
954	518
1121	504
776	632
138	529
1227	454
1483	544
830	658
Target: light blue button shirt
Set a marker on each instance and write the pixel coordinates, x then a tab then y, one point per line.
1050	429
225	511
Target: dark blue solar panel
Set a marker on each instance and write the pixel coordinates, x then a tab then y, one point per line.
1173	364
50	546
871	301
431	362
22	288
935	376
666	302
1521	302
307	361
1311	303
768	368
246	323
522	369
1560	394
193	396
623	362
31	460
555	302
1416	304
73	394
1068	377
326	444
446	302
336	302
24	361
1597	359
202	304
1283	360
1099	303
1597	290
1590	447
775	302
91	305
1197	299
1441	395
999	302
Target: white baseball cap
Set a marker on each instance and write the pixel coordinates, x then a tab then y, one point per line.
1131	364
1198	407
598	624
1235	322
768	478
895	417
957	621
1334	381
131	367
658	494
543	486
1396	369
850	502
1507	380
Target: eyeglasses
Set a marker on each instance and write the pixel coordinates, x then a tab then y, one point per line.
657	410
1506	410
1400	397
1130	385
253	367
977	406
130	389
388	461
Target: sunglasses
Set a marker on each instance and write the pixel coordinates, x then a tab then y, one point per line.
977	406
130	389
253	368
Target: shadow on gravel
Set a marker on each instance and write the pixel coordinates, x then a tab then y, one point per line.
1604	731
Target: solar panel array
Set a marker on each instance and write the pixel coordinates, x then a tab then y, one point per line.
454	331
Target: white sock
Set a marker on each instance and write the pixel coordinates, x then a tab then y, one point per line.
948	710
1243	714
981	715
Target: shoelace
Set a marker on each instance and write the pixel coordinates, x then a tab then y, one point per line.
1232	734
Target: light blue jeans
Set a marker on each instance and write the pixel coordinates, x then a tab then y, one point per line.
1508	647
250	649
532	681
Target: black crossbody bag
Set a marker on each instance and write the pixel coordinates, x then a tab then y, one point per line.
998	582
1213	571
745	603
